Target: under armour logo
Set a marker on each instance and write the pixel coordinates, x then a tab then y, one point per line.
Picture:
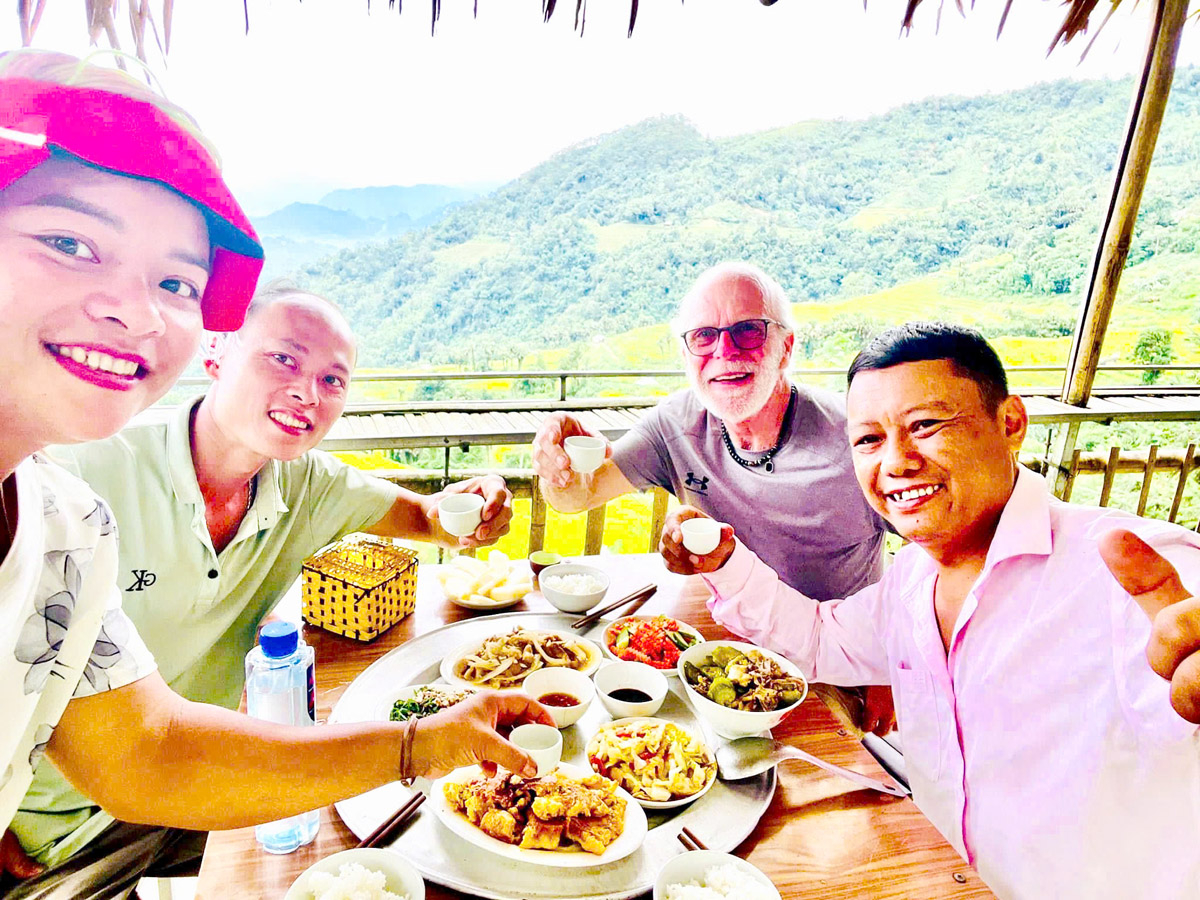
144	577
699	485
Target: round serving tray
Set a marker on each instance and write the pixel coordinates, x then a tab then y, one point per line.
723	817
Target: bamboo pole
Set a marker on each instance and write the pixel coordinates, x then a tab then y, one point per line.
1144	497
593	538
1184	470
1071	473
1110	473
658	516
537	517
1112	248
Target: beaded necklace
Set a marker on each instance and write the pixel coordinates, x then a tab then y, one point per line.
765	459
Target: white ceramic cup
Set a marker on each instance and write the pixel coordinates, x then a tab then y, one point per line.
542	742
701	535
586	453
460	514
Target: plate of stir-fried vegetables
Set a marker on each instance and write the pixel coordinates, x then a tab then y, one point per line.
654	640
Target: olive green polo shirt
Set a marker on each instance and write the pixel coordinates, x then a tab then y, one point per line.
197	610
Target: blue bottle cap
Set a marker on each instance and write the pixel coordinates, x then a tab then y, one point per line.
279	639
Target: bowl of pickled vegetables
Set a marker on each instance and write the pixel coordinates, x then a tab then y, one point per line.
740	689
656	641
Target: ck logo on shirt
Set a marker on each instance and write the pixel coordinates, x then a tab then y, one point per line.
144	577
699	485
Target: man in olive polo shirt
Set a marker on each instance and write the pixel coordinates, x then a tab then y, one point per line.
216	509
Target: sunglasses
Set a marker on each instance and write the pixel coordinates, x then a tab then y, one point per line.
748	334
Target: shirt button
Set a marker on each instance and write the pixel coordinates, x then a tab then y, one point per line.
212	573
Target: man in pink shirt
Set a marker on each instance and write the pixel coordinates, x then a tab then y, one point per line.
1031	685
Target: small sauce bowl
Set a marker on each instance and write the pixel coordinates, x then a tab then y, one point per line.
561	681
631	676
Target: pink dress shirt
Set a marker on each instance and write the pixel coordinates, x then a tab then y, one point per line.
1042	746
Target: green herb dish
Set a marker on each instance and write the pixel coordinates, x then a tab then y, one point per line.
426	701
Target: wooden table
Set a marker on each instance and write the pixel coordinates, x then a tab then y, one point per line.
822	837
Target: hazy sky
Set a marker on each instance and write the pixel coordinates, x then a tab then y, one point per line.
321	94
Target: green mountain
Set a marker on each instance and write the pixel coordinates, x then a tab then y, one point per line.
995	200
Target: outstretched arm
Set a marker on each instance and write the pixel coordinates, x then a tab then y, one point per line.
838	641
414	516
147	755
565	489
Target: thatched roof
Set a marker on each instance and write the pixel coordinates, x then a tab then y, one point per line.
102	16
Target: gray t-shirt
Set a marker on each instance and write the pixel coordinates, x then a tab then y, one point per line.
807	519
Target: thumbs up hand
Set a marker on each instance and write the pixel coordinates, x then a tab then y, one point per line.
1174	647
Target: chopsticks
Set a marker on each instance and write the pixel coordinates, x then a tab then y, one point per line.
640	596
688	838
392	826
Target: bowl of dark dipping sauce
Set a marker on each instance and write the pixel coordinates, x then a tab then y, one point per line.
566	693
630	689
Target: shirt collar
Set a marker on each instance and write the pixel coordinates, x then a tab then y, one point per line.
268	506
1024	527
180	467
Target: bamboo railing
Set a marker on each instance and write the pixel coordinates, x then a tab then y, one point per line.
1148	462
1180	462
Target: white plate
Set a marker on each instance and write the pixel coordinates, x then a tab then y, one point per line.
430	587
465	603
451	659
683	626
383	709
631	837
662	804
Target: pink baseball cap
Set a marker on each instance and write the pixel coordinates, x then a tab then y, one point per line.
137	139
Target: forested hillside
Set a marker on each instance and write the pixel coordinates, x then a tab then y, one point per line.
989	205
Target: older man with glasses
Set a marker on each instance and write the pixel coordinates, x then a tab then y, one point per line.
744	445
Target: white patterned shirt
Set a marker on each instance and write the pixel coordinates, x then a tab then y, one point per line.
62	632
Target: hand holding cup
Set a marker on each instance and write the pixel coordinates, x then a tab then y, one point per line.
477	511
692	543
552	461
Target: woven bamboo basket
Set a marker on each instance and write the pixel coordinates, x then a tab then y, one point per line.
360	587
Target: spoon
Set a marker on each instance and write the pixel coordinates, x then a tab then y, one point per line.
750	756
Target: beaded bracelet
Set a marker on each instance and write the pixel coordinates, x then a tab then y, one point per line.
406	743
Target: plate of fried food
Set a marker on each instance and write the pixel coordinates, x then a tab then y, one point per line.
502	661
495	584
660	764
568	819
418	701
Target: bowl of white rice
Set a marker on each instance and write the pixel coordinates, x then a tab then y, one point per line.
572	587
708	875
359	874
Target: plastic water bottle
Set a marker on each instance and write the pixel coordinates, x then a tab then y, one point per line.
280	688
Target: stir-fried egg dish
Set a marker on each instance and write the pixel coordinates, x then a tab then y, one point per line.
550	813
